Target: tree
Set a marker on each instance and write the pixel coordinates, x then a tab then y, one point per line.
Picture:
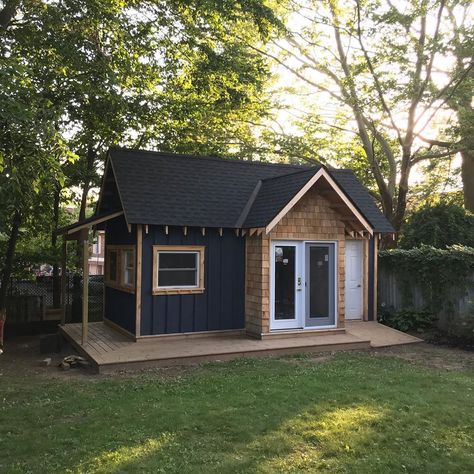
28	160
379	63
94	73
144	72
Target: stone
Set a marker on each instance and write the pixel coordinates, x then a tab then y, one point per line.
64	366
46	362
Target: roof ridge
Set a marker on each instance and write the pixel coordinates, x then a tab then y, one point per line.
171	154
248	205
312	168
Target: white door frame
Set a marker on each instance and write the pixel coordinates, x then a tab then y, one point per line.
362	289
300	290
298	322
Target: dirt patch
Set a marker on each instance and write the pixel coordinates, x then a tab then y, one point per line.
429	355
22	357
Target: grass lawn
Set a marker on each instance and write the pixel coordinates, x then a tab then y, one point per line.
349	412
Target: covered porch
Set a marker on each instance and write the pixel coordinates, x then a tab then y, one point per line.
109	350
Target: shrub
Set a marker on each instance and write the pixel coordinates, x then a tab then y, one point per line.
439	226
407	319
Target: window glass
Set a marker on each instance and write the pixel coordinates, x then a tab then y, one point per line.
178	269
112	265
128	267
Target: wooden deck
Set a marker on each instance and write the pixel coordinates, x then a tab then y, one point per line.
378	334
109	350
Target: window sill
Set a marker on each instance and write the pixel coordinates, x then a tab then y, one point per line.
116	286
177	291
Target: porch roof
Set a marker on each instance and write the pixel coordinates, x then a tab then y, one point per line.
73	231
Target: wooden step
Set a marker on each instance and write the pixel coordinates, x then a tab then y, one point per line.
286	333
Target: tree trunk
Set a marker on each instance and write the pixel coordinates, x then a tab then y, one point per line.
54	244
467	174
90	160
8	12
7	270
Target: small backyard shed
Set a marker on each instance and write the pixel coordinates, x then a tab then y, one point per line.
203	244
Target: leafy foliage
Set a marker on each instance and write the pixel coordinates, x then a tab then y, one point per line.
439	226
441	274
406	319
382	72
79	76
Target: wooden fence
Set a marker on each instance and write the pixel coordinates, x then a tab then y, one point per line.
459	304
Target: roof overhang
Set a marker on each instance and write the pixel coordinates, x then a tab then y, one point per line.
322	174
74	231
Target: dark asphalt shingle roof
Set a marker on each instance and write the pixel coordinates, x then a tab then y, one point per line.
359	196
274	194
169	189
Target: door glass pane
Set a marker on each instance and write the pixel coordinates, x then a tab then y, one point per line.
285	282
319	282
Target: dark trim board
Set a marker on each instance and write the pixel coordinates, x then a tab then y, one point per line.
371	280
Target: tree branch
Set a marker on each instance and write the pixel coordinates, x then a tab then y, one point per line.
433	156
378	87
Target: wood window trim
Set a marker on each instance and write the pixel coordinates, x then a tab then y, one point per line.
119	284
200	249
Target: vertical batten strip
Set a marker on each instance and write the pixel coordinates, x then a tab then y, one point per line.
376	276
138	282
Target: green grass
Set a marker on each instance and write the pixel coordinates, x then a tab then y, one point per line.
352	413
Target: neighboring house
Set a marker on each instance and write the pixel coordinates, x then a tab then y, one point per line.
96	256
201	244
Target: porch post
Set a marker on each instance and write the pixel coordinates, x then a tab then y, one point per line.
85	287
63	281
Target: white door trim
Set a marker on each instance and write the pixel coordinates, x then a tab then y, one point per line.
354	296
300	296
297	323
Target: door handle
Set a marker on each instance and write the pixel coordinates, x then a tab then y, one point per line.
358	286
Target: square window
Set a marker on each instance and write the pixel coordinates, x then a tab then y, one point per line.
120	267
178	269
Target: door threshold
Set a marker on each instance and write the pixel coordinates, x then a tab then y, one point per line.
282	333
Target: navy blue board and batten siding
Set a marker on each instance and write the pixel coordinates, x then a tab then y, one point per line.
222	304
120	305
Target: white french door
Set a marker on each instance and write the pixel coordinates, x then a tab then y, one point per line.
287	284
302	285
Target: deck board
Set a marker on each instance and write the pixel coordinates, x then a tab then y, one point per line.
379	335
108	348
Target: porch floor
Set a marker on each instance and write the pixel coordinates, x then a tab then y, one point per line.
109	350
